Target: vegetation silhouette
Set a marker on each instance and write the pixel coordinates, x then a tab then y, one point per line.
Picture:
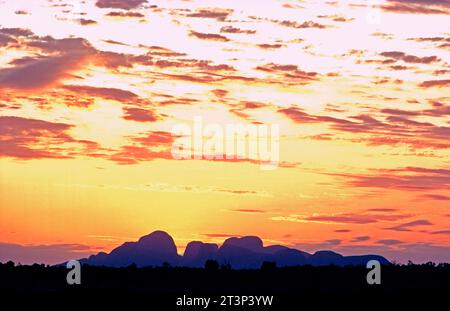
157	288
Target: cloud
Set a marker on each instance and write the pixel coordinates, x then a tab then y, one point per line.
297	25
112	60
343	218
155	138
441	232
443	3
158	145
120	4
205	65
417	6
384	210
194	189
252	105
318	246
207	77
430	39
153	145
413	143
220	93
394	130
71	47
435	83
408	178
21	12
439	42
5	40
337	18
439	197
332	242
42	72
389	242
86	22
103	92
48	254
219	14
63	46
231	29
395	55
406	226
266	46
297	115
209	36
356	218
243	192
131	154
362	238
58	60
24	138
249	211
288	73
16	32
114	42
438	110
162	51
140	115
400	112
125	14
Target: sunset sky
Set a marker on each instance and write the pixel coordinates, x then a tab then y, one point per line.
90	90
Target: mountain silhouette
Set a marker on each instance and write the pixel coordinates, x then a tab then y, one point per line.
158	248
197	253
154	249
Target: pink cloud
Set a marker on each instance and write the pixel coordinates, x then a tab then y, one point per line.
120	4
140	115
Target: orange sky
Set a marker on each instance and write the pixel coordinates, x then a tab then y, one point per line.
89	93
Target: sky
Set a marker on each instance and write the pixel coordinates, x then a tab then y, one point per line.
90	92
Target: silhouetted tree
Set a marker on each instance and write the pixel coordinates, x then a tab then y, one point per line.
268	266
10	264
225	267
211	265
